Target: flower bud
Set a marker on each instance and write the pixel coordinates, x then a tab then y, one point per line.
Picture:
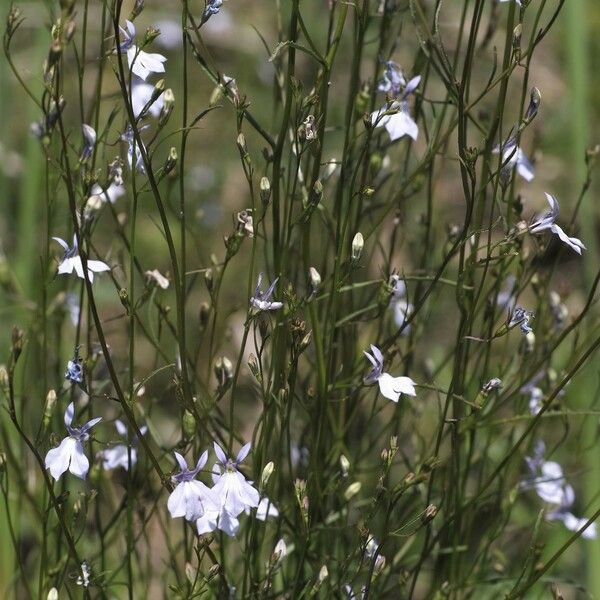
265	190
52	594
358	244
323	574
223	372
266	474
429	514
352	490
171	160
315	279
167	107
344	465
189	424
535	99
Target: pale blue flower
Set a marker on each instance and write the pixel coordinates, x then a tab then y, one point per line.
521	317
262	300
119	455
391	387
141	63
190	498
74	372
548	222
212	8
395	116
72	261
69	454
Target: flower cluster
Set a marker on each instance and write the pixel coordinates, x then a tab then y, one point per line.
220	506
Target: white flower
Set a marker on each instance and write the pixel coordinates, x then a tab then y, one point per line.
513	157
190	498
118	455
141	63
231	490
69	454
84	578
395	116
390	387
266	509
111	194
572	523
547	478
141	94
397	120
218	519
399	304
261	300
548	221
71	260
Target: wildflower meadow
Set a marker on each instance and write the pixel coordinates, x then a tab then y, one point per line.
299	299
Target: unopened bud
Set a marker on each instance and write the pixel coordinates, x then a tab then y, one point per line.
223	371
266	474
265	190
241	143
430	513
358	244
253	365
52	594
535	99
344	465
171	160
167	107
50	405
189	424
315	279
323	574
352	490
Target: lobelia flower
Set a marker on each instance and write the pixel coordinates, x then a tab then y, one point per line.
261	300
212	8
138	160
141	63
118	455
395	116
513	157
265	509
69	454
71	260
390	387
74	372
393	79
548	221
89	142
520	317
371	550
399	305
111	194
547	478
232	493
190	498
